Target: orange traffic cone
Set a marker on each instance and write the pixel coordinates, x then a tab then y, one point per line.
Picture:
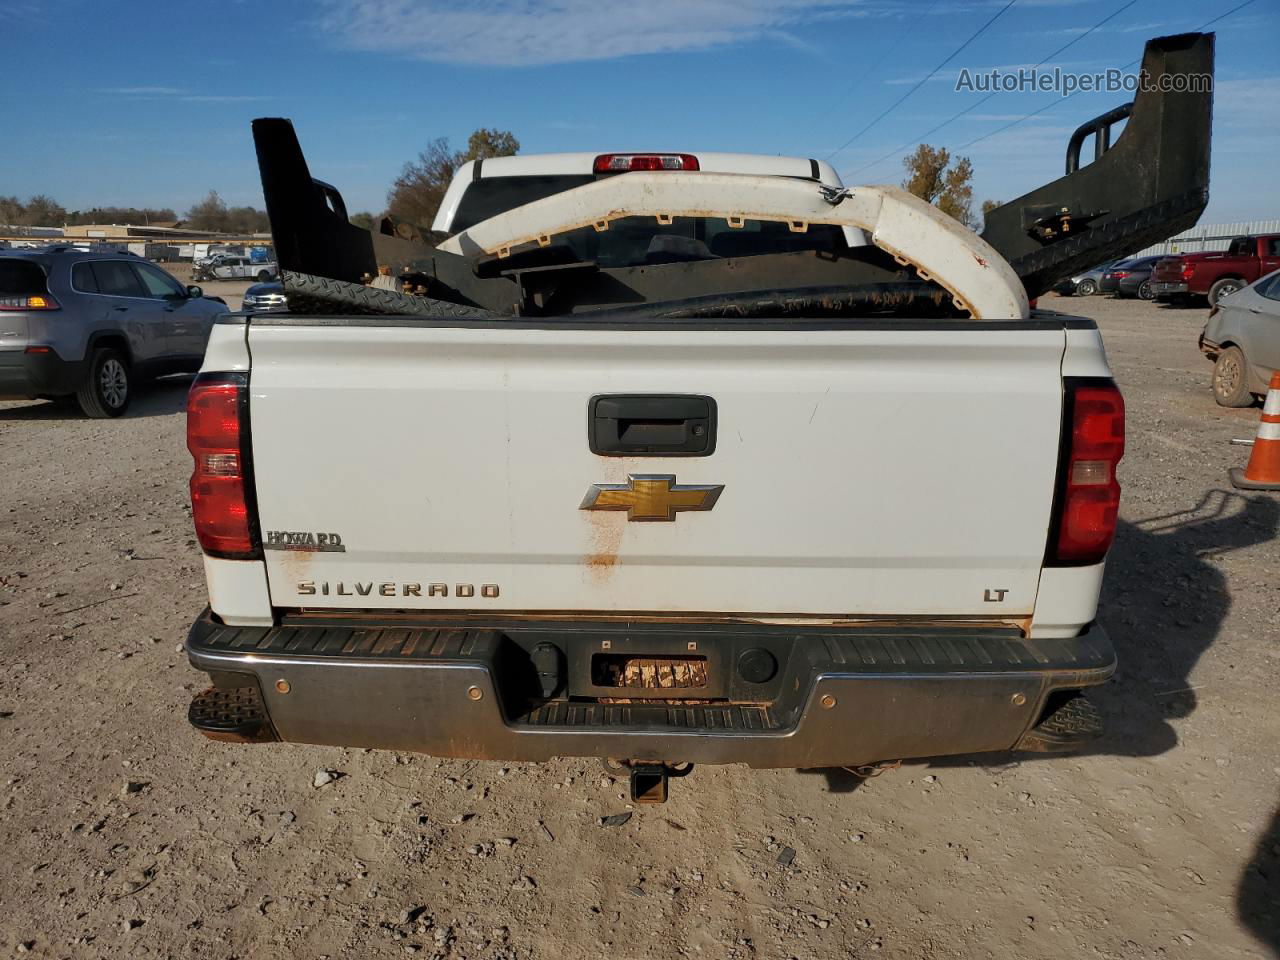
1263	471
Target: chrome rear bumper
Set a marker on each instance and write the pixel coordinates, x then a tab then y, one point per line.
838	696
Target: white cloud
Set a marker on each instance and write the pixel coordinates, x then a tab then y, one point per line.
143	91
20	10
218	98
1154	27
1244	103
535	32
952	73
177	94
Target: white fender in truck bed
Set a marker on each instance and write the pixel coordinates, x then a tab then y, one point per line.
912	230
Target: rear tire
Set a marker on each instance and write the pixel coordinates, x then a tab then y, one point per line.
1224	288
106	392
1086	288
1231	379
1145	292
264	276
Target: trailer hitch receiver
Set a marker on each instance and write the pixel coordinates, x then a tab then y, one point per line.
648	779
649	783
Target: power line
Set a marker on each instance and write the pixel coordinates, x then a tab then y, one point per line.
974	106
1225	15
1033	113
885	54
893	106
1131	63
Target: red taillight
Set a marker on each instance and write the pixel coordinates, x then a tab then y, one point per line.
35	301
625	162
1187	270
1120	274
218	440
1088	492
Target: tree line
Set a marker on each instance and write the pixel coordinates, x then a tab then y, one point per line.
44	211
211	214
416	194
214	215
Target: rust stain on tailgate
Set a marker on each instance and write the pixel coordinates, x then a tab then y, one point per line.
294	564
605	530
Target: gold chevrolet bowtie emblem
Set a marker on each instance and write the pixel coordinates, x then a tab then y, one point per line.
651	496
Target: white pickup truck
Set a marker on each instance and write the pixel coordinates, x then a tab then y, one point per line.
232	267
681	458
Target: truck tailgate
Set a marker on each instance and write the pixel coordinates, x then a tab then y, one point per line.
904	469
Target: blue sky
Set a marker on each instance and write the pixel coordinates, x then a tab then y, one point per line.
148	103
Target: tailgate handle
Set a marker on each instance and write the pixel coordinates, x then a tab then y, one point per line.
655	425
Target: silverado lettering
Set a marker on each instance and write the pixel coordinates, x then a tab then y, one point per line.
310	588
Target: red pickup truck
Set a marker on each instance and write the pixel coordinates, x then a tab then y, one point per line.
1219	273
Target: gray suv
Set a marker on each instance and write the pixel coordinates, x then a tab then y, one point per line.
90	325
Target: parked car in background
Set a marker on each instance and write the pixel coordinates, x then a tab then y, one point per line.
236	268
1218	274
205	253
264	298
1084	284
89	325
1242	338
1130	278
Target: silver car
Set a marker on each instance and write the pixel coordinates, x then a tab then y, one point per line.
1084	284
1242	338
88	326
264	298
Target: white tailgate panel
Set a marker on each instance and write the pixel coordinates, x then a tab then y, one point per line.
868	472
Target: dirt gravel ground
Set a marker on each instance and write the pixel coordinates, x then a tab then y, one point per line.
125	834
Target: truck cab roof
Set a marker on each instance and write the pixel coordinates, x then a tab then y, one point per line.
1242	246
